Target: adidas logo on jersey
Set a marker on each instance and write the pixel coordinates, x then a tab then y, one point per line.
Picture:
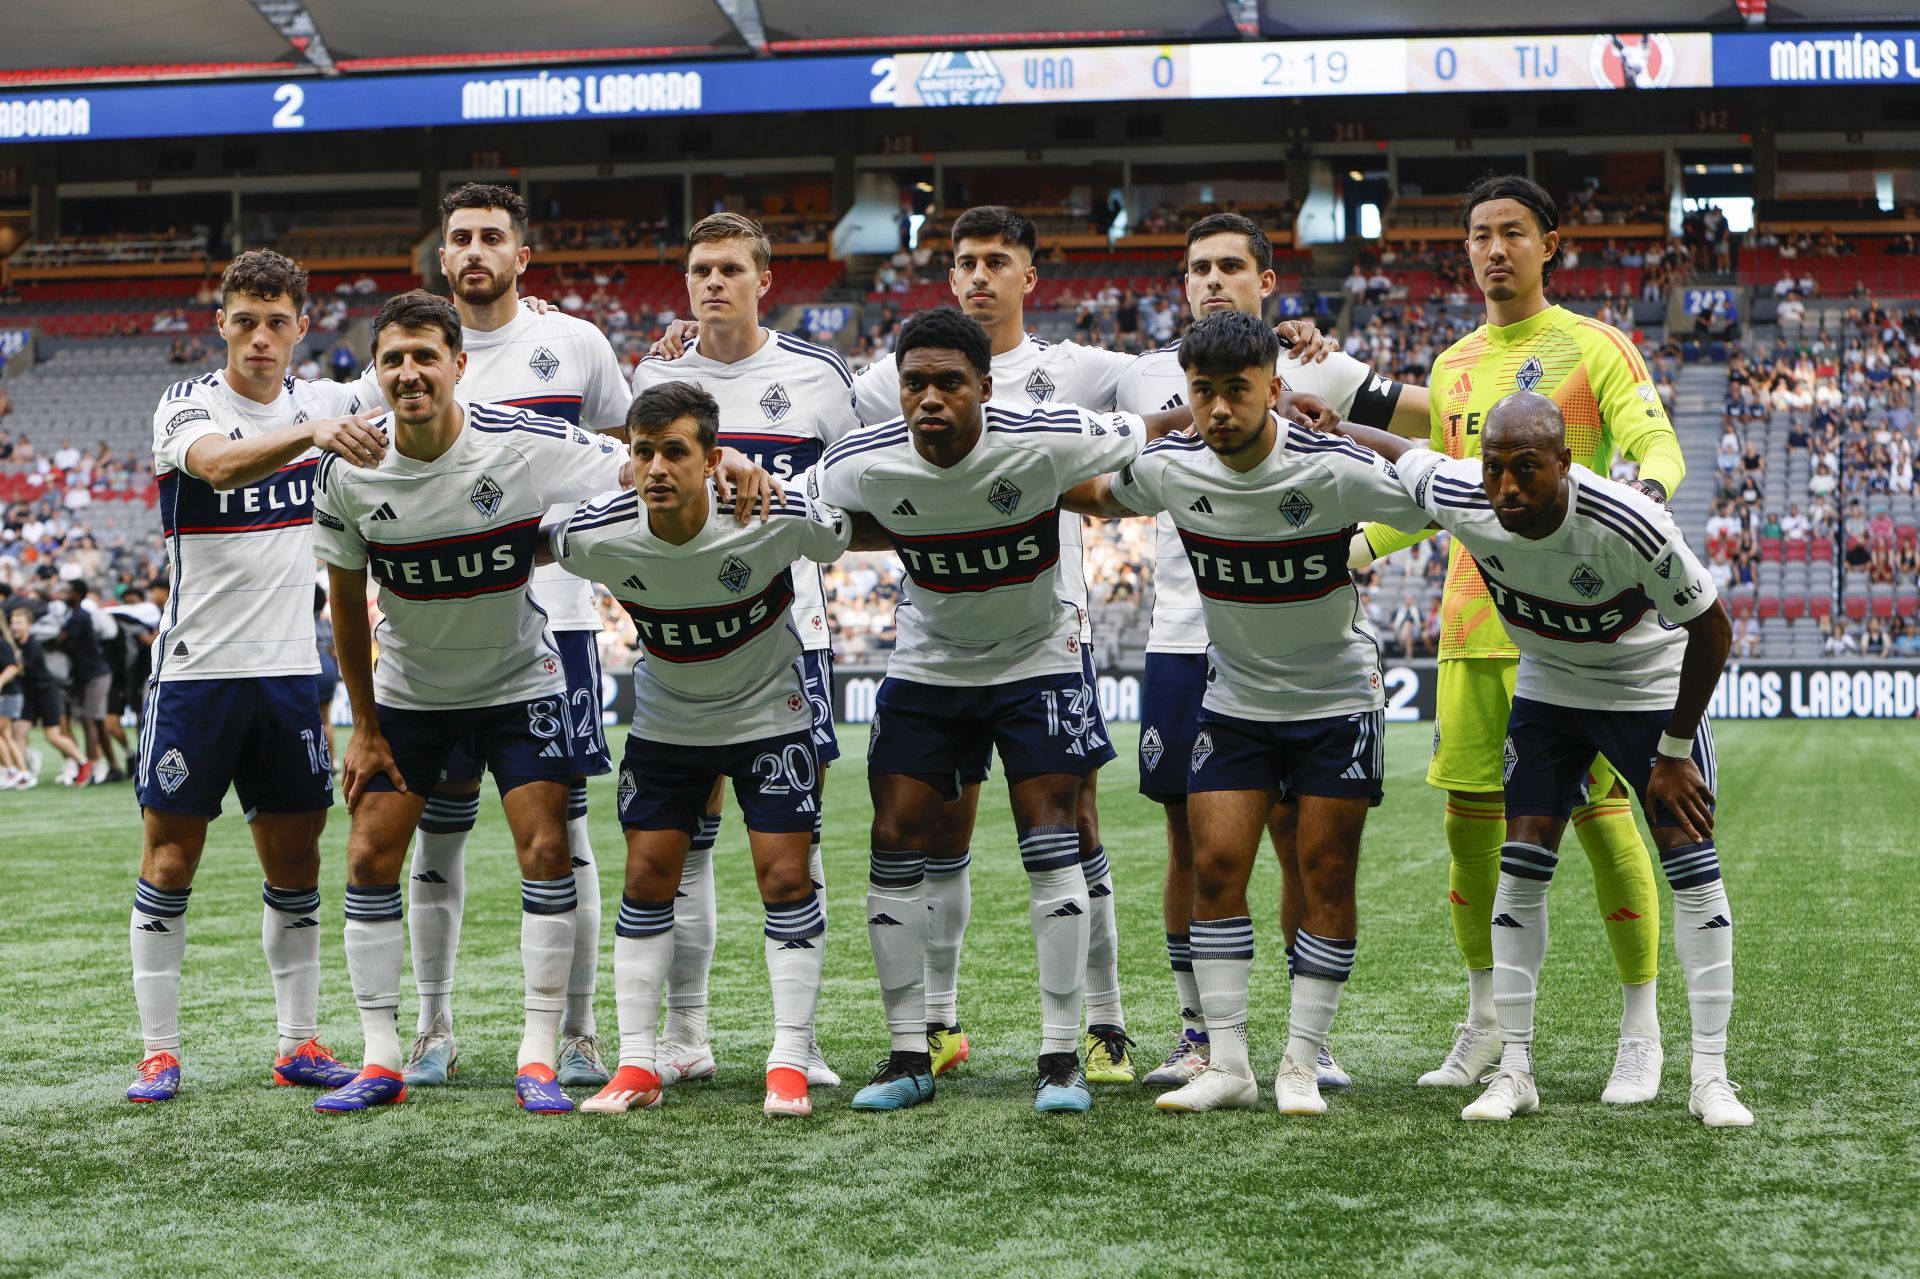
383	512
1100	890
1504	920
1202	505
634	583
905	508
1173	403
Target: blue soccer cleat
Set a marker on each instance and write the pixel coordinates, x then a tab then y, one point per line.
374	1086
904	1079
539	1092
432	1060
1329	1072
312	1065
1061	1086
580	1065
159	1079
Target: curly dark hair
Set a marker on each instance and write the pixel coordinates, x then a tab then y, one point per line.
949	329
486	195
419	309
264	274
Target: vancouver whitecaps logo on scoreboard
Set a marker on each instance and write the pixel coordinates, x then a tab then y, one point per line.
964	78
1631	61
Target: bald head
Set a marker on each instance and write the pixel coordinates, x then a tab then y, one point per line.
1524	419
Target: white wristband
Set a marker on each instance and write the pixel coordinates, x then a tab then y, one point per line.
1675	747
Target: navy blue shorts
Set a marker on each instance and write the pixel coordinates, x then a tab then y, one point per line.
586	731
1340	757
816	676
1171	689
664	785
1550	748
519	742
1039	725
263	737
1099	740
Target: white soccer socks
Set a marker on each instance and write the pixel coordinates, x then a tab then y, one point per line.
1703	938
1180	960
1103	943
1321	966
1519	947
1058	909
795	948
548	911
375	948
436	899
158	935
642	952
1222	968
583	975
695	928
290	936
949	905
897	919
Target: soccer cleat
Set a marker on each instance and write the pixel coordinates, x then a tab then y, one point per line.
1210	1089
819	1074
434	1057
948	1047
1713	1103
903	1079
1476	1050
1636	1072
580	1064
683	1063
1060	1086
787	1093
1327	1071
1184	1064
159	1079
374	1086
84	775
1296	1089
1509	1093
631	1088
312	1065
1108	1061
539	1092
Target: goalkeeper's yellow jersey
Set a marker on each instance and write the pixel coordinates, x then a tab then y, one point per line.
1600	383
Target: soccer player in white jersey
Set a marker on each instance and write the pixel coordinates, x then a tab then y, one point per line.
1229	267
1293	699
988	656
448	524
721	692
782	402
559	366
231	702
1621	640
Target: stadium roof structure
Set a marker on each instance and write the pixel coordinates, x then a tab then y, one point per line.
79	41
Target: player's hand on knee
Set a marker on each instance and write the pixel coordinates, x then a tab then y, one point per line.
1305	341
353	439
673	343
367	756
1678	785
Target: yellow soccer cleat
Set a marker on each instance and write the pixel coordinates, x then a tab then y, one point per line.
1108	1061
948	1047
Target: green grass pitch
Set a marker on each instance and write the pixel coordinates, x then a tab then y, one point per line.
1818	826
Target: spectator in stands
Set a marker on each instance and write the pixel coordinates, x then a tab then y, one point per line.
1784	285
1794	526
1357	284
1793	311
1379	286
1406	624
1746	638
6	437
1875	642
1905	638
1822	482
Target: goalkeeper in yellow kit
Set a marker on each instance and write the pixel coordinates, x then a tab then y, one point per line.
1600	383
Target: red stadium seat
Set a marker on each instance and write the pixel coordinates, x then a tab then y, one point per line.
1769	606
1793	607
1770	550
1820	606
1857	607
1794	550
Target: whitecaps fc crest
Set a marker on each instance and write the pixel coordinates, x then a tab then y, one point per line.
172	770
1202	748
1151	749
1530	374
544	364
486	497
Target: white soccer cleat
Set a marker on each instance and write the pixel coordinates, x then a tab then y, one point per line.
819	1074
1211	1089
1297	1088
1184	1064
1509	1093
1636	1072
1713	1103
683	1063
1476	1050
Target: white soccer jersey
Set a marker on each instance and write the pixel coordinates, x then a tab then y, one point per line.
1595	606
241	559
1268	550
451	544
781	406
558	366
1154	383
714	614
980	541
1033	373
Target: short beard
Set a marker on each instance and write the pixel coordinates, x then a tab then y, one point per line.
481	295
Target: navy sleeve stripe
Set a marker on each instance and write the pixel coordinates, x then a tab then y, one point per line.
865	442
1625	511
1625	532
830	358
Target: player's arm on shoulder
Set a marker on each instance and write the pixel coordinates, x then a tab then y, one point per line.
876	392
573	467
826	532
227	463
1372	490
1105	369
1106	442
1133	490
551	546
1412	468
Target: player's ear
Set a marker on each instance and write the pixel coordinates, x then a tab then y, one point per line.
301	326
1268	283
1275	389
714	458
1549	245
459	366
520	260
986	388
766	282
